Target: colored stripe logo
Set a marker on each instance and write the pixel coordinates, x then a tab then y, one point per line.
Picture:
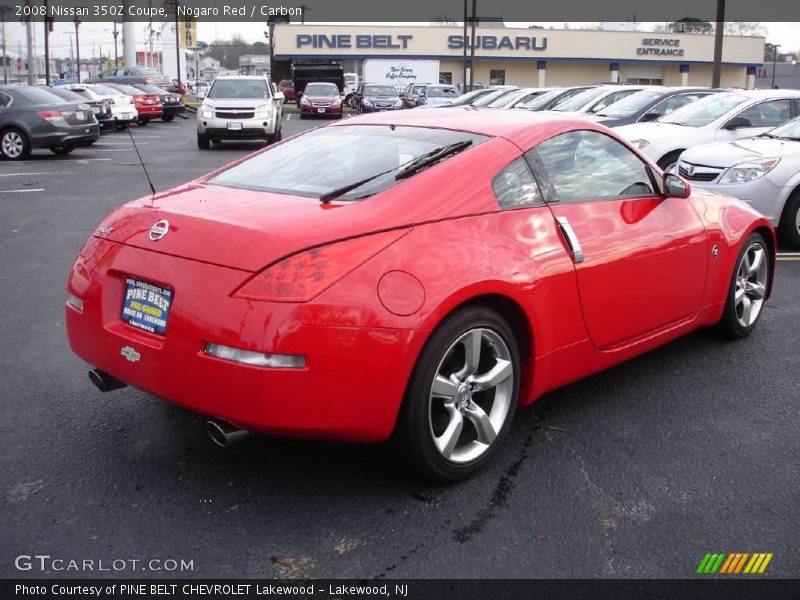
734	563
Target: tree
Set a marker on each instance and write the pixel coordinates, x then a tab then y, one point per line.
689	25
744	28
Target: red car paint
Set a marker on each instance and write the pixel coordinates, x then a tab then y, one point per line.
363	333
286	87
312	105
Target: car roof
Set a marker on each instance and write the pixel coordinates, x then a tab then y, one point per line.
520	127
236	77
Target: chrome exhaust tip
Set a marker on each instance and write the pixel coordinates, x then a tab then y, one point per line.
105	382
223	434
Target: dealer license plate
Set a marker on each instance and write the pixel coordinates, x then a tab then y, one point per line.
234	126
320	110
146	306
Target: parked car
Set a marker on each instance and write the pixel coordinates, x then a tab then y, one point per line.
32	117
131	75
520	96
148	104
101	107
595	99
321	99
411	93
376	97
351	266
553	97
171	103
200	89
123	108
494	95
286	87
649	105
763	170
173	87
437	95
239	107
723	117
468	98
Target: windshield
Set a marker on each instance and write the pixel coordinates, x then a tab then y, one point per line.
789	130
438	92
541	101
491	97
469	97
630	105
380	90
339	156
239	88
705	110
319	89
509	99
580	100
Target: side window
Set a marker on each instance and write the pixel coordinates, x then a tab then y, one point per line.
767	114
584	166
515	187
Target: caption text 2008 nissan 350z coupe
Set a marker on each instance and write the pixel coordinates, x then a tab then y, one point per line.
417	275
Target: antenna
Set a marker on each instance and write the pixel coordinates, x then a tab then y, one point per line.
141	162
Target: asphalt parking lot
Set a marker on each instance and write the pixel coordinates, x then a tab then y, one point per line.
635	472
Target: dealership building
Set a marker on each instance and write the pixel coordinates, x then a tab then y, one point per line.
532	57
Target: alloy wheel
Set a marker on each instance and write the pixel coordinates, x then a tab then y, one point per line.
470	396
751	284
13	144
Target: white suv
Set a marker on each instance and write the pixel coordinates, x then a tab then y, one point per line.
240	107
723	117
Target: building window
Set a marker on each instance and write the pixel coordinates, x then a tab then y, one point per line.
497	77
446	78
644	81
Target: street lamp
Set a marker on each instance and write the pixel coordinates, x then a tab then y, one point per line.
774	48
116	56
77	22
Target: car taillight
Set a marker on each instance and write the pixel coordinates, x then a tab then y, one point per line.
148	79
51	115
303	276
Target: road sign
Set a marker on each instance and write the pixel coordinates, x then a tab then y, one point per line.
19	65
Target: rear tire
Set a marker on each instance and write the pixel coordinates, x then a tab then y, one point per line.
202	141
747	291
121	126
14	144
789	227
142	122
167	118
444	432
61	150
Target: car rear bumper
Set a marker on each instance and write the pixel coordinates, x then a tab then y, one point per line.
149	112
350	389
68	135
174	109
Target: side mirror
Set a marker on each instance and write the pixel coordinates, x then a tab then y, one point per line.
737	123
651	116
676	187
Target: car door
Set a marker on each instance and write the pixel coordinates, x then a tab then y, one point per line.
755	119
640	258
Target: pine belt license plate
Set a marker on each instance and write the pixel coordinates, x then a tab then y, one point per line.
234	126
146	306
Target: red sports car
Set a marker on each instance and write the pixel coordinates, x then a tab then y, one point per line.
416	273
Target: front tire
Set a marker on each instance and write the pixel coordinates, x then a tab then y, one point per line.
461	397
748	289
203	141
14	144
61	150
789	227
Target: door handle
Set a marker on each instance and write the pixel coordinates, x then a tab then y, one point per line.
572	240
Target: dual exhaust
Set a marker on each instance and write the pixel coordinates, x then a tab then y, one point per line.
222	433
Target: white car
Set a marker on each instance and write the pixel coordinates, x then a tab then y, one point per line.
723	117
239	107
594	99
764	171
123	108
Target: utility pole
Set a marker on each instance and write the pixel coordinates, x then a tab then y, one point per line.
31	57
716	74
177	44
472	46
116	56
77	22
47	23
774	48
5	58
464	58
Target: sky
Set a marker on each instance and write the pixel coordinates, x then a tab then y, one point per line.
97	37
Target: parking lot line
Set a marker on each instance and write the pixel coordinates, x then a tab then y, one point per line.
21	191
788	258
32	173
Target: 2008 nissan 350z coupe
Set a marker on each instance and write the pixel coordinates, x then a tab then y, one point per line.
417	274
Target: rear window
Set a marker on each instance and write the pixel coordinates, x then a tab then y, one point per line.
106	91
239	88
151	89
337	157
128	89
38	96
